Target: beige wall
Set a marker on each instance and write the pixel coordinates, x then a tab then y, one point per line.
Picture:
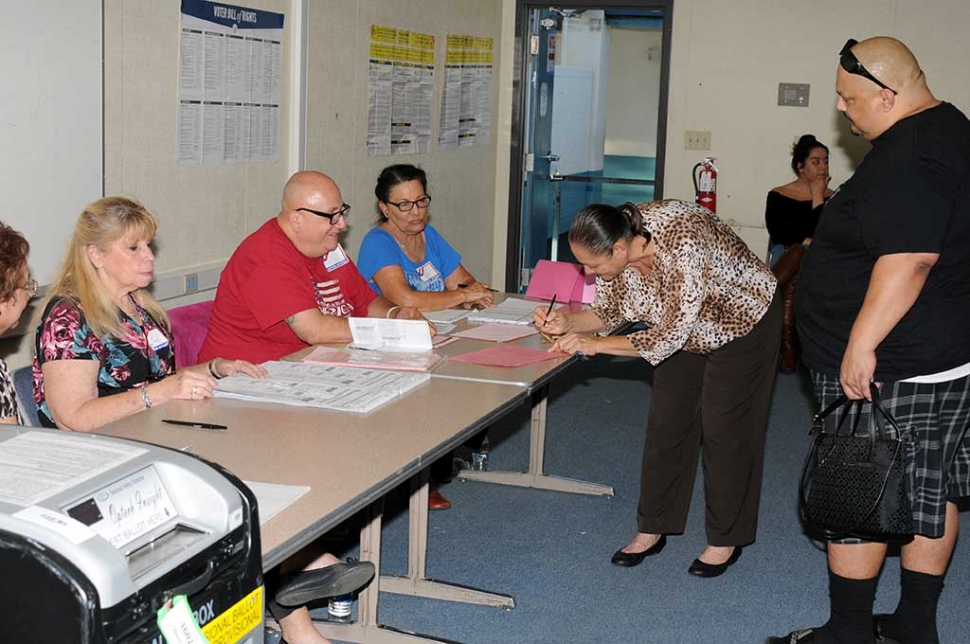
727	61
461	181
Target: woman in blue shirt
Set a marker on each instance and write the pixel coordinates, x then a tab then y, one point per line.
404	258
407	261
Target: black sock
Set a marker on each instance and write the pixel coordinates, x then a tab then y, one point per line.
850	621
915	617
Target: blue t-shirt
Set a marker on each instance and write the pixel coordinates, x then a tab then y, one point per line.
380	249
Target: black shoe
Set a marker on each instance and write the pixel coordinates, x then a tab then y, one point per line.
877	625
804	636
630	559
706	570
301	588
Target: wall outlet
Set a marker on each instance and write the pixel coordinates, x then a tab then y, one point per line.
191	282
694	140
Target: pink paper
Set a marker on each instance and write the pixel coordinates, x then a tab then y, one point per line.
506	355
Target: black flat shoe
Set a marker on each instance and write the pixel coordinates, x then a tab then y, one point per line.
706	570
630	559
301	588
804	636
877	630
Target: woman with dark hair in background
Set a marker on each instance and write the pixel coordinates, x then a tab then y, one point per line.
407	261
791	216
16	289
713	321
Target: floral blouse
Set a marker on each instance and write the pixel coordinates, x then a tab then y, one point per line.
143	354
706	288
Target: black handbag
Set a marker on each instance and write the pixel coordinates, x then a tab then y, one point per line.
856	486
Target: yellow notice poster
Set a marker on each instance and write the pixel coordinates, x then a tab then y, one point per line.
466	102
400	90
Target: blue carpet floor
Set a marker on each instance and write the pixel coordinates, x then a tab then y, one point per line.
551	550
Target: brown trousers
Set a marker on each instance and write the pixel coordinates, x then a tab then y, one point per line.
717	405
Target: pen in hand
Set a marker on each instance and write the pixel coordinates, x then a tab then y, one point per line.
192	423
549	310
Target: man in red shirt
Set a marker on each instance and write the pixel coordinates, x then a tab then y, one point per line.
287	286
290	284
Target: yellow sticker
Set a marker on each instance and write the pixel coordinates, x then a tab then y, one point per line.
239	619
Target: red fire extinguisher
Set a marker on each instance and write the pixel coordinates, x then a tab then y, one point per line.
705	183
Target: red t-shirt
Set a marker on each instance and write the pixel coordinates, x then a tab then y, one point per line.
267	280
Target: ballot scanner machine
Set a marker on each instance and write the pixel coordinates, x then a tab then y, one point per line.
97	534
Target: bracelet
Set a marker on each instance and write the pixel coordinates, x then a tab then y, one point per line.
391	310
144	397
212	370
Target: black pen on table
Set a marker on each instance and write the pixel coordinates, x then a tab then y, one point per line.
490	290
193	423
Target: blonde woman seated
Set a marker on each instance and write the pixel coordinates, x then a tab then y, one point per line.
104	348
104	352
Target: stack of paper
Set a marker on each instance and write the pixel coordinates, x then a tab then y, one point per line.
339	388
424	361
510	311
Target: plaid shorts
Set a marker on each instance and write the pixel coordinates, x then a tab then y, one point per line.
933	419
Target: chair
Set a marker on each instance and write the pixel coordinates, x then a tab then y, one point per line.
23	384
189	324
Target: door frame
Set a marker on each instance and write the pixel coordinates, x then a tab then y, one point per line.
520	83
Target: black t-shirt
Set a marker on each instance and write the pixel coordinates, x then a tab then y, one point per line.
911	194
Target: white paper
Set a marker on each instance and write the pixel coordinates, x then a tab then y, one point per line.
390	335
229	90
37	465
338	388
446	315
273	498
510	311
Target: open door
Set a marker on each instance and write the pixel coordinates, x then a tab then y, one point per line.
591	123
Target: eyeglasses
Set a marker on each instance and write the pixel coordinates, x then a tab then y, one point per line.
406	206
30	288
852	65
334	217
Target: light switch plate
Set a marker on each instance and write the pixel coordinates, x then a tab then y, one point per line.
694	140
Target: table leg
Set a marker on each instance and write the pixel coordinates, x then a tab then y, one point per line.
536	476
367	630
416	581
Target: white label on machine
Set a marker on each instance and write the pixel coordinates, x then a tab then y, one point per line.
70	529
128	508
37	465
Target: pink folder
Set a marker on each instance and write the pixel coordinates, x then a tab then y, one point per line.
564	280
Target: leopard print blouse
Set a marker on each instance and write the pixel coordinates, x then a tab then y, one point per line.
706	287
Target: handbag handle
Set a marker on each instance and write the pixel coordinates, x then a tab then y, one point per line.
880	413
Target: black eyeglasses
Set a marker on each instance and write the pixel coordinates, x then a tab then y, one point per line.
406	206
334	217
852	65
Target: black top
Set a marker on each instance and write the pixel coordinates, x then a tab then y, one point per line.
911	194
790	221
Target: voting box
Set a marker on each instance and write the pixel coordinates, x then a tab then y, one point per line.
98	533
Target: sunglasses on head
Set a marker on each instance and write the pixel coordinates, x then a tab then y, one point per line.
852	65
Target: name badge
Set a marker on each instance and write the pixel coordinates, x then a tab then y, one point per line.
428	272
335	258
157	340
